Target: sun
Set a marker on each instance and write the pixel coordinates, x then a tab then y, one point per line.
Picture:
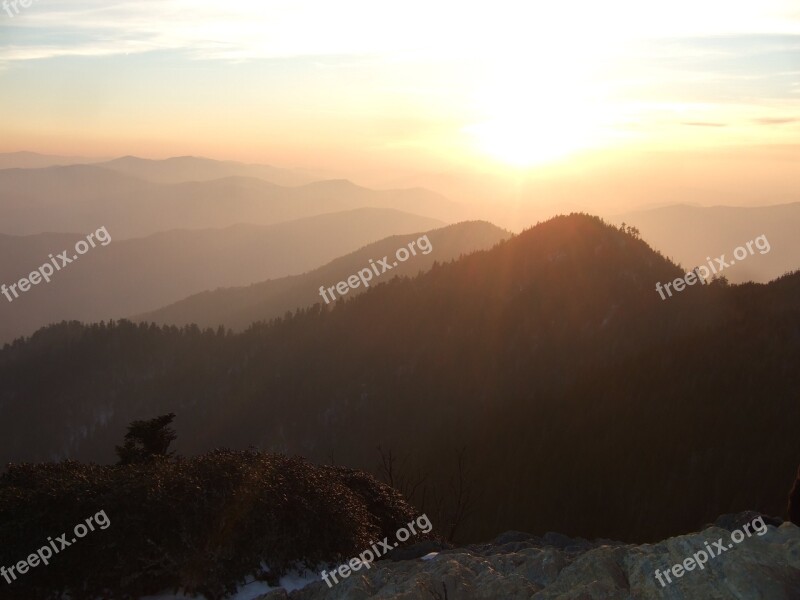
533	135
539	104
528	123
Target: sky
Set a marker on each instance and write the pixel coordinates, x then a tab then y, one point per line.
400	90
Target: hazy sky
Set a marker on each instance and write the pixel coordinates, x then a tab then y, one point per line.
415	85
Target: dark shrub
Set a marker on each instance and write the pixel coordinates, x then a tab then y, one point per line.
201	523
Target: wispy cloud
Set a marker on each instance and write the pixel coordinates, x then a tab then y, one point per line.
703	124
257	29
775	121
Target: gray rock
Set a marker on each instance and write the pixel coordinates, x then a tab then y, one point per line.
558	540
418	550
512	536
738	520
758	568
279	594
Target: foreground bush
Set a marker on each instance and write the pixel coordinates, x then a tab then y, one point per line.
201	523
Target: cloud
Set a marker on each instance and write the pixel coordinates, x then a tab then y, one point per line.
257	29
704	124
775	121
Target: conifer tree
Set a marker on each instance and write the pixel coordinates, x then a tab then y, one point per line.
147	440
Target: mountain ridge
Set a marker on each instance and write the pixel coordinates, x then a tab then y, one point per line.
84	197
568	352
238	307
140	274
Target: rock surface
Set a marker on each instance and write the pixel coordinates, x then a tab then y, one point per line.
519	566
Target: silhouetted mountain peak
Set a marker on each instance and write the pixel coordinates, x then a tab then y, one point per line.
547	355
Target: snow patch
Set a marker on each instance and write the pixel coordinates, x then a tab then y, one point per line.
430	556
294	580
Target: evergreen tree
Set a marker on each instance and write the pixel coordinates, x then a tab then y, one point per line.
147	440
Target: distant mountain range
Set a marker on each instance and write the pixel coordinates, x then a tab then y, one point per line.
134	198
33	160
181	169
574	398
239	307
690	234
130	276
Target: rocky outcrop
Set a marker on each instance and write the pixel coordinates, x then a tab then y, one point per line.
794	501
518	566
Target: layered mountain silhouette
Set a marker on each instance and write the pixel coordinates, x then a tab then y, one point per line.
575	398
134	275
82	198
192	168
691	234
34	160
237	308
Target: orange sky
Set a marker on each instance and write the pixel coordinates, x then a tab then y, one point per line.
420	92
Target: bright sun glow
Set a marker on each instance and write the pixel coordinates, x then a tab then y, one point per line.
543	94
528	130
541	109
